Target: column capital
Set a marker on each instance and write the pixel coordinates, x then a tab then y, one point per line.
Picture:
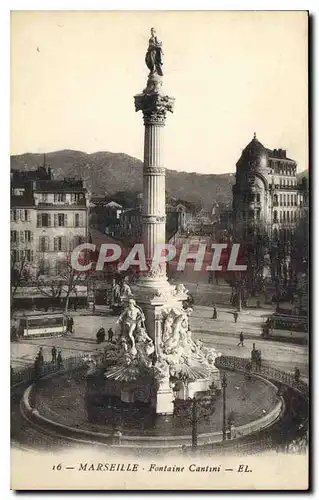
154	107
153	170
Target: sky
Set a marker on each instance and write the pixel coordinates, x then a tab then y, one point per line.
74	75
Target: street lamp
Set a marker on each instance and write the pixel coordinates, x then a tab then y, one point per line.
224	385
194	409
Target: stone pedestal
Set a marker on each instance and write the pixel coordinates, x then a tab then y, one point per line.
164	399
127	396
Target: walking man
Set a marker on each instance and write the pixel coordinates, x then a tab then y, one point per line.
215	313
235	316
40	356
110	335
241	340
70	324
297	375
59	360
53	354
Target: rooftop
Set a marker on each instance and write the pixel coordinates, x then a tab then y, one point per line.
54	186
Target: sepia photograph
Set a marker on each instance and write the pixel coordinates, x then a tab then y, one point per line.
159	250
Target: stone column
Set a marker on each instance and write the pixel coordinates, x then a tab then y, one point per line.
154	106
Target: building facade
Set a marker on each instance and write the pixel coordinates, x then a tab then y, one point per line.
266	194
49	218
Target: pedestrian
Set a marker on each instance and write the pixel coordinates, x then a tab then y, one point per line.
297	375
100	336
37	369
53	354
59	360
215	313
258	360
40	356
70	324
110	335
235	316
241	340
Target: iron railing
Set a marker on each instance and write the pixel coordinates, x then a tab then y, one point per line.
264	370
30	374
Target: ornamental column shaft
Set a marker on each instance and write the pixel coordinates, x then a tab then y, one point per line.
154	105
154	216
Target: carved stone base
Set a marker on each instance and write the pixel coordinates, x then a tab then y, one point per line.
127	396
163	400
203	385
153	294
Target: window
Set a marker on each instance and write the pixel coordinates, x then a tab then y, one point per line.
275	216
61	220
43	243
284	216
78	240
59	243
27	215
14	256
76	197
44	267
28	255
288	216
78	220
18	192
14	236
258	198
28	236
44	197
61	267
44	220
60	197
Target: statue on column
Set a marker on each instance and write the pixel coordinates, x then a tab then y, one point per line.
154	55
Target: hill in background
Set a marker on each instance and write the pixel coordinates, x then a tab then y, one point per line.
108	173
105	172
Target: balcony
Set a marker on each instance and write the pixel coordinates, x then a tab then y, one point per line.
62	204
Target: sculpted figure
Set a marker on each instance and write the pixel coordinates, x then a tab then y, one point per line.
126	290
154	55
116	292
168	326
129	320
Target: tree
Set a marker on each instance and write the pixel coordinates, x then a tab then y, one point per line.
20	272
64	283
